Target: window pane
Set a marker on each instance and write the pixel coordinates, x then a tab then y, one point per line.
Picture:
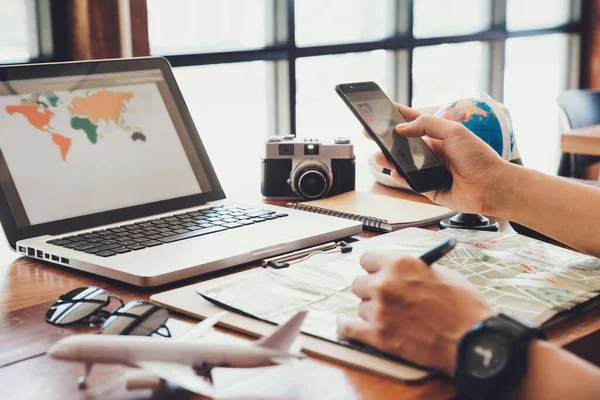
446	18
17	39
535	14
536	72
445	72
342	21
190	26
320	112
230	106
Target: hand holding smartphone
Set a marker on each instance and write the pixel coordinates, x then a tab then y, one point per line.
411	156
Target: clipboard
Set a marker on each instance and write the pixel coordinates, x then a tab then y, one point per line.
187	301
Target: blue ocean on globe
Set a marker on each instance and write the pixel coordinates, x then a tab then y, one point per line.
480	119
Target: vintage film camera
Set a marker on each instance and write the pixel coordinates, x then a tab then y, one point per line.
307	168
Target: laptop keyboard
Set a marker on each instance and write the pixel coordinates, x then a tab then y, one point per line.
132	237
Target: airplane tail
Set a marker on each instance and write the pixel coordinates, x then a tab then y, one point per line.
283	338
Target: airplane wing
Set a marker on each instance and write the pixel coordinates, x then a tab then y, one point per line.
179	374
203	327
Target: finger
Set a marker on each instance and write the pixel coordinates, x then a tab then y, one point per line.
355	329
399	179
409	113
362	287
365	310
450	276
436	128
373	260
436	196
382	160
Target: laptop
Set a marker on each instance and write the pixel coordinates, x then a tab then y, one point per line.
102	170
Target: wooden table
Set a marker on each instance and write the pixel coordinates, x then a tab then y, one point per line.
28	288
581	141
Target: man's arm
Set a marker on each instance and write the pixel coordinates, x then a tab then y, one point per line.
420	314
563	210
554	373
484	183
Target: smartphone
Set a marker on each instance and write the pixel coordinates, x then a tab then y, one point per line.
411	156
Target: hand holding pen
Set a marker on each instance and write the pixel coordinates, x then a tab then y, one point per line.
412	311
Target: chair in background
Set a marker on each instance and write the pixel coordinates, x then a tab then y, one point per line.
580	109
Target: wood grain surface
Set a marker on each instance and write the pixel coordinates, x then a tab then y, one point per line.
581	141
28	288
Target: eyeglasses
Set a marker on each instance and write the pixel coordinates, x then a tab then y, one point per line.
86	305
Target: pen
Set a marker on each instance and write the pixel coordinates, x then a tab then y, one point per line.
431	256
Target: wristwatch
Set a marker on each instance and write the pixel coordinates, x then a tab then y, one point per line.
492	357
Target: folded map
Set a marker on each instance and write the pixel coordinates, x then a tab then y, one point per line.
519	276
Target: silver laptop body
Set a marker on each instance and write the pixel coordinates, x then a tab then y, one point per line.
117	182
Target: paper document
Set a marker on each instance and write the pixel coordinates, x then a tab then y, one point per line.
519	276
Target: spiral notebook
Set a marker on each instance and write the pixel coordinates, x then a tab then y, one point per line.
377	212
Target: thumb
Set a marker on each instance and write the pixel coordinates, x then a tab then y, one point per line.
354	329
409	113
433	127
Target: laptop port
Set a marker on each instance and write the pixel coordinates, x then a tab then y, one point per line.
55	258
22	249
40	254
47	256
30	251
64	260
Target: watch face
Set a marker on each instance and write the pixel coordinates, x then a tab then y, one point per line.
487	354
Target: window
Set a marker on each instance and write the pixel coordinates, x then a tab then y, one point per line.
230	108
193	26
321	22
319	109
18	36
538	14
277	62
450	18
537	70
445	72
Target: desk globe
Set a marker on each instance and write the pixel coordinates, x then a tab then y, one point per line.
483	116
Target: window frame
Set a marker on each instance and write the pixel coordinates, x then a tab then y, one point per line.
53	18
402	43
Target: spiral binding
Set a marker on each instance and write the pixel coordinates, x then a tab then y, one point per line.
371	223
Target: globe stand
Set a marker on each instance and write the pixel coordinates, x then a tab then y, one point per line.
475	222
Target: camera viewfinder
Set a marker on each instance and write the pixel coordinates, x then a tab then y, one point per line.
286	149
311	149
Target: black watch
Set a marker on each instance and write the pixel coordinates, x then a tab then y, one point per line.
492	357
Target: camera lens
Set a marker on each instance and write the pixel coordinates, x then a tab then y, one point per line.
311	149
312	184
286	149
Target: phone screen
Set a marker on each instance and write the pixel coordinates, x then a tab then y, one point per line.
380	114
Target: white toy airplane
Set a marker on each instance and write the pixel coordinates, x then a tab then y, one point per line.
179	360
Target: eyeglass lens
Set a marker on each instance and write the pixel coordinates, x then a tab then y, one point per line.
77	305
138	318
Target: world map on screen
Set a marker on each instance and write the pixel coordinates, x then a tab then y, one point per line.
88	115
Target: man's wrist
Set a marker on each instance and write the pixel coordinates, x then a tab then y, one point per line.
449	346
500	199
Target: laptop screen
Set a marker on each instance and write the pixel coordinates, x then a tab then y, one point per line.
83	144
